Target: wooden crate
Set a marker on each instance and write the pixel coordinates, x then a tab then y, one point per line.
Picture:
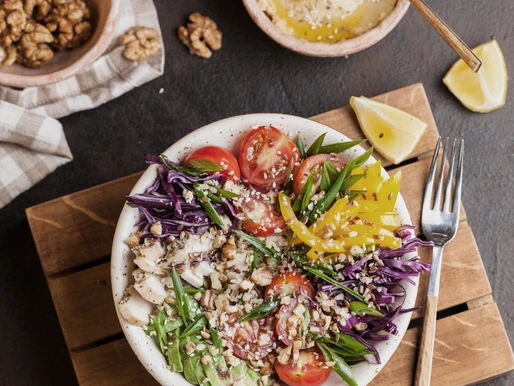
471	344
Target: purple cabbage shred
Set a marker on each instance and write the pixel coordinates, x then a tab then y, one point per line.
164	201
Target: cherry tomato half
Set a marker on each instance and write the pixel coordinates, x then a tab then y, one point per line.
304	170
246	341
289	284
260	217
219	156
308	370
282	316
267	156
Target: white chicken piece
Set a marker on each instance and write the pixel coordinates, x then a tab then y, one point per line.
149	266
149	286
195	274
151	250
134	308
181	249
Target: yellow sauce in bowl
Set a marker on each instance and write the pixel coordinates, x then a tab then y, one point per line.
327	21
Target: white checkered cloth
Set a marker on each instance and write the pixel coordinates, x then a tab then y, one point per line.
32	144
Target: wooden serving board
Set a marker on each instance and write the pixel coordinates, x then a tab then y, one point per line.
471	344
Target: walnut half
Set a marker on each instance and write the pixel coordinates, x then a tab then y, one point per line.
201	35
141	43
33	49
8	55
69	21
12	22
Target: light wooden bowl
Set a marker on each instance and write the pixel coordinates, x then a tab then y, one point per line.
341	48
104	18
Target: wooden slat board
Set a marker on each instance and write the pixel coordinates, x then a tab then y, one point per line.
77	271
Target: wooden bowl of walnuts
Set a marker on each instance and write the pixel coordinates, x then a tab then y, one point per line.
46	41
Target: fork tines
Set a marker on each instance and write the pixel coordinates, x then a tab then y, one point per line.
454	174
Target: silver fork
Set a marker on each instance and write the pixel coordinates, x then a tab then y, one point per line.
440	226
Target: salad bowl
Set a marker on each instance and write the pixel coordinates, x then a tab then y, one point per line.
229	133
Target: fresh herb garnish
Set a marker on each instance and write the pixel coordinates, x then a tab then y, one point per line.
226	193
215	338
325	177
179	295
339	147
350	181
340	366
182	169
307	191
195	326
262	310
361	309
194	290
255	260
328	279
327	200
203	166
301	146
207	206
159	327
316	145
298	204
260	245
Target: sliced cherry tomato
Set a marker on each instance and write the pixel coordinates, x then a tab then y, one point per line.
314	161
284	313
220	157
308	370
289	283
260	217
267	156
247	342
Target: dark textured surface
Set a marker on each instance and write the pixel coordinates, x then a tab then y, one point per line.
253	74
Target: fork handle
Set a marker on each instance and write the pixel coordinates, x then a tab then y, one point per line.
426	348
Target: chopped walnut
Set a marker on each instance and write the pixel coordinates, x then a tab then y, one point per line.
69	21
141	43
228	251
262	276
201	35
207	299
33	49
12	22
8	55
38	9
285	355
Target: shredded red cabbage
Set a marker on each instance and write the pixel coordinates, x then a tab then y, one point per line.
164	201
388	293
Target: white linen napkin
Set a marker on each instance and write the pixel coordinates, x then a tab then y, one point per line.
32	144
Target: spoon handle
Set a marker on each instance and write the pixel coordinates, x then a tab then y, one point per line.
448	35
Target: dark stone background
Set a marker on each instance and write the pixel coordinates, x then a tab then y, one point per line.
253	74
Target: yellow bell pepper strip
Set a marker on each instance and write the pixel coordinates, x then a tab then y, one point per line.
367	230
389	192
358	170
387	220
367	206
313	254
372	185
374	170
336	215
302	232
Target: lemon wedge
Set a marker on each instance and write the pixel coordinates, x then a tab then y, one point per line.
485	90
391	131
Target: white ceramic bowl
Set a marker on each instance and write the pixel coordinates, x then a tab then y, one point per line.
229	133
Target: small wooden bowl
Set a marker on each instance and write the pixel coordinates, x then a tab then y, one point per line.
104	18
342	48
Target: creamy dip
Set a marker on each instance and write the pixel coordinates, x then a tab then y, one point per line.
326	20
